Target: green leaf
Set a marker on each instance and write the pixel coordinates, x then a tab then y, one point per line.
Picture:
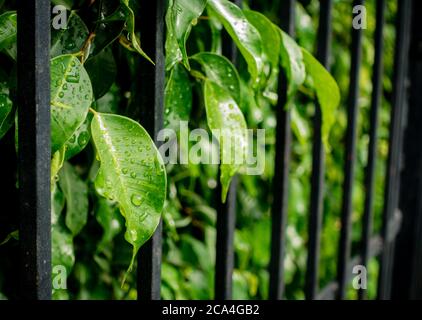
71	39
221	71
177	97
76	194
271	41
293	63
327	91
102	71
71	97
130	26
68	4
181	16
10	236
57	162
63	253
79	140
243	33
8	33
224	113
132	173
7	110
109	27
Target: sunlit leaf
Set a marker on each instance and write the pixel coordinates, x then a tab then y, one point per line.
293	63
243	33
132	173
224	114
221	71
327	91
271	41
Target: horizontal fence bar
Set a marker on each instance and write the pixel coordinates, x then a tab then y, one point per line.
375	248
398	107
318	160
151	107
281	170
226	213
34	153
377	79
350	158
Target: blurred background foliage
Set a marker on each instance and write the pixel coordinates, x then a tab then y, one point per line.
190	233
101	253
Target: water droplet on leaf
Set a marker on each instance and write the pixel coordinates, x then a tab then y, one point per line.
136	200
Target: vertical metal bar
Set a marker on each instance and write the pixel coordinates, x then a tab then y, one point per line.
226	214
317	179
151	94
407	278
403	23
377	77
350	160
34	148
281	174
224	262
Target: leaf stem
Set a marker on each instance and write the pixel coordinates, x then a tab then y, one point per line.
93	111
198	75
86	47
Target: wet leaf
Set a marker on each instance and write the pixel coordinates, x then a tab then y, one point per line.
181	16
130	26
8	33
221	71
71	97
224	114
327	91
270	40
110	24
177	97
243	33
293	63
132	173
71	39
79	140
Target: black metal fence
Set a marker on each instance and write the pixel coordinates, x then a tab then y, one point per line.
400	256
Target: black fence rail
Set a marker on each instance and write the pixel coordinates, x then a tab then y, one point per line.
401	202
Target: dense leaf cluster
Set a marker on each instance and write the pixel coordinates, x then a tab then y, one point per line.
109	182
